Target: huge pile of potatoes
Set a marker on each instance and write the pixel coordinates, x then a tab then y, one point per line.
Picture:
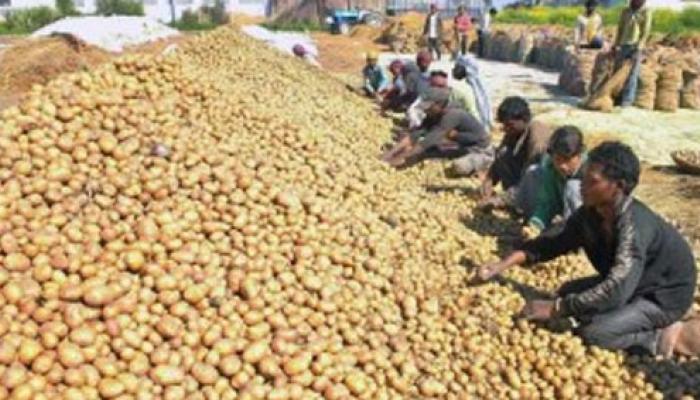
214	224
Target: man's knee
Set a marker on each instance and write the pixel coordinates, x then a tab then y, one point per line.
599	334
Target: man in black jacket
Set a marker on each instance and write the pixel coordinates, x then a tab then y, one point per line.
647	274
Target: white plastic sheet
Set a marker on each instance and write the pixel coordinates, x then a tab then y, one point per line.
283	41
110	33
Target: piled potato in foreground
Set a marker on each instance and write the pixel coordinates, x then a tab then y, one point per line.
215	225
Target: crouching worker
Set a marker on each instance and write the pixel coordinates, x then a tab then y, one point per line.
646	272
446	132
375	80
393	98
559	178
517	158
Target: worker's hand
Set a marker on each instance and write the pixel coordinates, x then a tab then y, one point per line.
530	231
452	135
490	203
489	271
486	189
397	161
538	310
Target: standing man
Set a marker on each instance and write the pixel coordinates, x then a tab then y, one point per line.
375	79
646	272
484	29
432	29
462	26
446	132
633	32
588	33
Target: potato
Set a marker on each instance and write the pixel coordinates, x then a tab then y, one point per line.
214	223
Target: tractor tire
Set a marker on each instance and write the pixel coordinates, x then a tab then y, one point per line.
344	28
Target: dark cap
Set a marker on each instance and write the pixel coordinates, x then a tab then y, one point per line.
434	95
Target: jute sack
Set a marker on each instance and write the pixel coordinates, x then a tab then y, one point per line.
525	45
690	97
577	72
668	86
646	91
602	70
602	98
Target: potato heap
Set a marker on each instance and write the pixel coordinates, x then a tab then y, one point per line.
215	224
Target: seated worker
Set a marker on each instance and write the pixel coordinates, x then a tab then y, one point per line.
375	80
646	272
523	145
559	178
445	133
439	79
588	33
416	76
396	89
471	89
300	51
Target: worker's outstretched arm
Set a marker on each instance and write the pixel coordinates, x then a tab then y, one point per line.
543	248
619	285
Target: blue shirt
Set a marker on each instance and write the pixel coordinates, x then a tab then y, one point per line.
375	78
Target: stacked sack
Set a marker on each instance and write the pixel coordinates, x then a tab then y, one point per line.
550	51
646	91
668	83
690	93
502	46
524	49
576	76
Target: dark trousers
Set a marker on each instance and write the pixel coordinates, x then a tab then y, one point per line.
462	43
634	326
481	48
434	47
629	91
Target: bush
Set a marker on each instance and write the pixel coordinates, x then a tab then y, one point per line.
119	7
30	19
665	21
207	18
295	25
66	7
218	13
193	21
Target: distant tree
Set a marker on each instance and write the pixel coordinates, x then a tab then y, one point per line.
66	7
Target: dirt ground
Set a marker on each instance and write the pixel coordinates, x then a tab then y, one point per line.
653	135
25	62
344	54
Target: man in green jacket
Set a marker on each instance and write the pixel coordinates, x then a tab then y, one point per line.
633	32
559	179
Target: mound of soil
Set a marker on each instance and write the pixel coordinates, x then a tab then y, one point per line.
37	61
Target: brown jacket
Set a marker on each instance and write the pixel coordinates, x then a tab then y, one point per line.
513	157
